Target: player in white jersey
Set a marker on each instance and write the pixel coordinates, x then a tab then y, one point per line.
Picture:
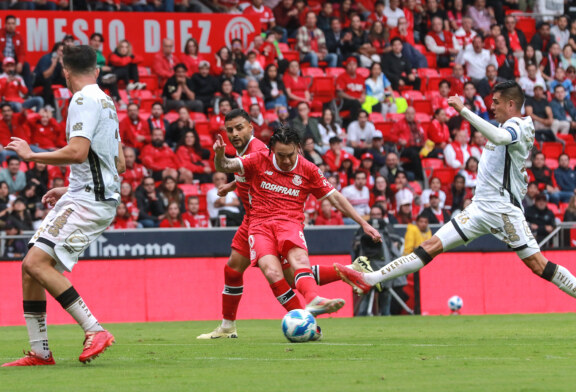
496	207
81	211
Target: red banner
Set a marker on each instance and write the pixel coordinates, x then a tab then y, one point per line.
144	30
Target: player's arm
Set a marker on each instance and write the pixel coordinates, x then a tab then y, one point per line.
223	190
342	204
76	151
222	163
120	162
498	136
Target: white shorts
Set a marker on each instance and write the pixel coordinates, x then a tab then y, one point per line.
70	227
503	220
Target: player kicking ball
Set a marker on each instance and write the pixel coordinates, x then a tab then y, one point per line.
496	207
280	181
81	212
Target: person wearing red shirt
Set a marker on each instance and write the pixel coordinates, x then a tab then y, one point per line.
253	95
442	43
411	139
440	101
327	215
515	38
12	45
156	119
134	131
12	124
264	14
135	172
164	62
125	66
128	197
189	154
438	132
123	219
174	218
296	85
457	79
193	216
378	14
457	153
46	132
403	31
161	160
12	88
350	89
336	155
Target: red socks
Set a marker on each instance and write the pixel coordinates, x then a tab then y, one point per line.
306	284
286	296
325	274
232	294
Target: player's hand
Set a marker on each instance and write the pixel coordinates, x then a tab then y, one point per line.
373	233
456	102
53	195
219	145
20	147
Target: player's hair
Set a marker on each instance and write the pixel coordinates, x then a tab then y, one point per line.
284	134
511	91
237	113
79	59
94	35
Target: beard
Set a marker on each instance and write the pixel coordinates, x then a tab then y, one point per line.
157	143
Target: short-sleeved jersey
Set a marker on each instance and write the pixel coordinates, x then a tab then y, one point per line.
351	86
92	115
502	172
242	187
281	195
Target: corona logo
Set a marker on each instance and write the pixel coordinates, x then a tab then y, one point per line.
240	28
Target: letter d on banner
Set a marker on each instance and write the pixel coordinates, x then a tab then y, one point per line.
151	36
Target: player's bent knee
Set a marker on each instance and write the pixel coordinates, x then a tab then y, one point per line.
432	247
238	262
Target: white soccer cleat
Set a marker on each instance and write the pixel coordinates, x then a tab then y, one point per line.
220	332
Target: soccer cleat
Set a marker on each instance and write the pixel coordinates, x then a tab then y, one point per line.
321	305
353	278
220	332
31	359
362	264
318	335
95	344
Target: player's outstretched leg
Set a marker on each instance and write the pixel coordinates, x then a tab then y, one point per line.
328	274
551	272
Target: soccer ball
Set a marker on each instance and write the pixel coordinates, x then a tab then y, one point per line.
455	303
299	326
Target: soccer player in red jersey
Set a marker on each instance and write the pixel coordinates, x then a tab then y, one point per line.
279	185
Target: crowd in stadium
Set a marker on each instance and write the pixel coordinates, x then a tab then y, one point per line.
365	84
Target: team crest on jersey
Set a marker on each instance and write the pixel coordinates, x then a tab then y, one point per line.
77	126
297	180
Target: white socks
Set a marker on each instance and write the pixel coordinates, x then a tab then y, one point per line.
565	281
228	323
84	317
399	267
38	333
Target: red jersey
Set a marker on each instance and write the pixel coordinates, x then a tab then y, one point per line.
281	195
351	86
47	136
11	90
298	86
242	187
129	130
198	220
265	15
134	175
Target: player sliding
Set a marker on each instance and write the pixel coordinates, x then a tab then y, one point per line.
239	131
81	212
279	185
496	207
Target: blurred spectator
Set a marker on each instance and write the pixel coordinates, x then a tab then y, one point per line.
328	216
11	125
191	156
542	40
457	195
361	43
14	248
360	133
550	62
483	17
470	172
542	175
192	215
456	154
561	79
12	175
306	125
563	109
486	85
367	166
457	79
125	66
440	101
377	150
398	68
159	158
435	213
227	205
380	89
165	61
336	155
282	115
252	96
567	58
38	175
261	127
149	204
229	72
48	72
381	192
378	14
252	67
476	59
570	213
435	187
507	62
33	199
296	85
221	57
310	153
135	172
169	192
438	133
530	57
106	79
416	234
286	16
173	217
325	16
12	45
515	38
464	35
560	31
156	119
335	42
20	216
540	110
238	57
45	132
531	80
179	91
541	220
378	38
477	143
13	89
263	13
474	102
391	168
178	128
392	13
490	39
328	128
411	139
402	186
442	43
273	88
404	208
565	178
358	195
134	131
529	197
123	219
6	200
191	56
311	44
350	90
204	86
128	197
226	92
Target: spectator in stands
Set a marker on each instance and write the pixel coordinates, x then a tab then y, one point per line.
531	79
328	216
123	219
381	192
286	15
360	133
273	88
149	204
191	156
391	168
486	85
560	31
173	217
358	195
263	13
311	44
336	42
377	150
261	127
470	172
49	72
473	101
563	109
128	197
398	68
328	128
179	91
336	155
169	192
544	177
435	187
442	43
438	133
38	175
380	89
361	43
192	215
440	101
515	38
530	196
227	205
13	88
483	17
252	96
282	115
191	56
404	207
416	234
543	39
561	79
14	248
456	154
570	213
178	128
296	86
539	109
125	66
464	35
238	56
477	143
411	139
13	45
229	73
350	90
507	62
458	194
135	172
310	152
134	131
159	158
156	119
435	213
221	57
20	217
227	93
565	178
379	38
106	79
306	125
252	67
567	59
476	59
165	62
541	220
550	62
530	57
392	12
11	125
490	40
203	85
45	132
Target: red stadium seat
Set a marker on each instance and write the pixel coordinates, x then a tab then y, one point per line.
313	72
570	149
323	89
433	163
394	116
427	72
445	175
552	149
146	103
527	25
375	117
270	117
196	116
420	48
142	71
171	117
422	106
363	72
206	141
423	117
567	138
203	128
386	128
434	82
431	58
189	189
283	47
291	55
412	94
334	71
552	163
151	82
206	187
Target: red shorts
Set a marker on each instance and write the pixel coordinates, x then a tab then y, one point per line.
275	238
240	240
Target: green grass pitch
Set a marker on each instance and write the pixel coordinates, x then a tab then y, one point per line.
455	353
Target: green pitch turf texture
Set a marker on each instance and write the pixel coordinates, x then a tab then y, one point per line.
449	353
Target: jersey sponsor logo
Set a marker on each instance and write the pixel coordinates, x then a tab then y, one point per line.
269	172
77	127
60	222
280	189
297	180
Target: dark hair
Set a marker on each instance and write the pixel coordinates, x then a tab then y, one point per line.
359	172
196	146
158	103
4	104
225	99
133	104
186	45
237	113
94	35
395	39
284	134
437	111
362	111
470	160
12	158
57	46
79	59
180	66
421	216
561	155
558	86
469	83
511	90
8	17
444	81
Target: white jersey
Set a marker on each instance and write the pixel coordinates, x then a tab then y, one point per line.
502	172
92	115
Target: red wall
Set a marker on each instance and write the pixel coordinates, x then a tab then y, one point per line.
493	283
159	290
